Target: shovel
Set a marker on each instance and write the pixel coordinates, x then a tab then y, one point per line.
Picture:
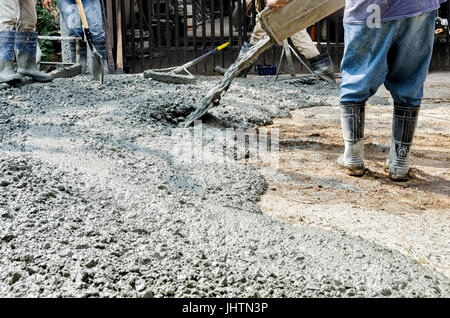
97	61
279	24
172	75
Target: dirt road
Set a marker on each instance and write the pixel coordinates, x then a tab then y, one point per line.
411	217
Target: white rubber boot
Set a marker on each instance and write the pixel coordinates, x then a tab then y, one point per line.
403	128
352	120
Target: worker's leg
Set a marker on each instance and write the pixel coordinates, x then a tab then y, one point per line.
9	12
27	16
94	17
364	69
364	65
72	20
257	34
321	64
26	43
71	17
304	44
408	59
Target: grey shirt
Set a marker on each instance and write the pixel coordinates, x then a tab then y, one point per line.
359	11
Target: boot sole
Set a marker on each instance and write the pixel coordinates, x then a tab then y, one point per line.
37	79
353	171
398	179
13	80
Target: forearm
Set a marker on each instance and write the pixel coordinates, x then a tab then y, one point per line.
276	3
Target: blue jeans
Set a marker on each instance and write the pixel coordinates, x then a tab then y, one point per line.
71	17
398	54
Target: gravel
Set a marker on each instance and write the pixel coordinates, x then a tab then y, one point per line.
95	202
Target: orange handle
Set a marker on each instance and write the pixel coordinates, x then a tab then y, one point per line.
82	14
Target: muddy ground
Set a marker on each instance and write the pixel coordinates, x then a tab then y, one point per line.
412	217
95	201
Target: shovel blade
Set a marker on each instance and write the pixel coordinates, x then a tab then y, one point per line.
97	69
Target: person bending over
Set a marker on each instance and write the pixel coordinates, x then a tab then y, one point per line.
321	64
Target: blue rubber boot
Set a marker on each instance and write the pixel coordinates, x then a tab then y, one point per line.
7	72
25	47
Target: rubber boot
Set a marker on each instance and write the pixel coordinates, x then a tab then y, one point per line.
73	51
322	66
83	57
25	46
83	54
352	120
403	128
7	73
245	47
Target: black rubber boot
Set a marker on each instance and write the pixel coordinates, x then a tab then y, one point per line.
25	47
7	73
322	66
403	128
352	120
83	54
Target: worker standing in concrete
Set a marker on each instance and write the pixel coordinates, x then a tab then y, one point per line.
18	39
390	42
320	63
71	17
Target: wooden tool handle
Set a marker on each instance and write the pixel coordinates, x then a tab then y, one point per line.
119	47
82	14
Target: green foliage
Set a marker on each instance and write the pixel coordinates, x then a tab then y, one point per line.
48	25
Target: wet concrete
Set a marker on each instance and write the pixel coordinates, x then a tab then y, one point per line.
94	202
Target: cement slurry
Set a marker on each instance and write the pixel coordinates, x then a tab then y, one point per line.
94	202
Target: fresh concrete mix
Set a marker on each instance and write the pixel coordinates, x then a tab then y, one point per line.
95	202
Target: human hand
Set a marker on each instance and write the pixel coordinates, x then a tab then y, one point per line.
276	3
48	4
